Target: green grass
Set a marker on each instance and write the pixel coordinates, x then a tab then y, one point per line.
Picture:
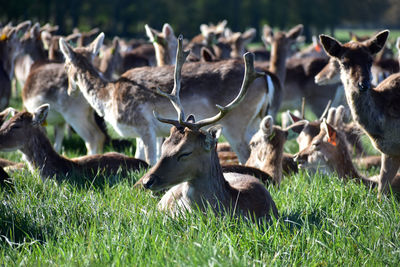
324	221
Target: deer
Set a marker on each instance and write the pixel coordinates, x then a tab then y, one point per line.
375	109
127	102
24	132
189	164
328	153
10	48
48	83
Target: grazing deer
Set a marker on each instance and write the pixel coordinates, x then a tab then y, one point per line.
24	132
128	102
189	162
376	110
10	48
48	83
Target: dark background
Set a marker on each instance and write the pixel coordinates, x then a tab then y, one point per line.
127	18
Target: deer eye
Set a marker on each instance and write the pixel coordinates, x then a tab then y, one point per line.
183	155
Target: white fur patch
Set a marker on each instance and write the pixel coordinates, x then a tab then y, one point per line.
271	90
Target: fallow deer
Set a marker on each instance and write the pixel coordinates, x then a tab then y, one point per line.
10	48
328	153
127	103
376	110
24	132
189	162
48	83
165	44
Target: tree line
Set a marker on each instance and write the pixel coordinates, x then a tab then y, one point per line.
127	18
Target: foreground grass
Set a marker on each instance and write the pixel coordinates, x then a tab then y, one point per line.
324	221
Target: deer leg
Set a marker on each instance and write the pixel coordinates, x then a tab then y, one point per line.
139	154
58	136
150	147
389	168
83	122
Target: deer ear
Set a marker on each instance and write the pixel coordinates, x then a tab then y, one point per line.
22	28
191	118
204	29
376	43
295	32
331	116
248	35
96	44
266	124
293	117
150	33
35	31
330	132
298	126
67	50
214	133
206	55
40	114
267	35
115	46
331	46
46	39
167	30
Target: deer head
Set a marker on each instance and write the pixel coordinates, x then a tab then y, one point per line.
75	55
212	32
51	43
330	74
323	151
110	58
15	132
281	39
355	58
189	150
10	45
165	44
238	42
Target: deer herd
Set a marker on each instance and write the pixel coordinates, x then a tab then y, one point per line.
177	97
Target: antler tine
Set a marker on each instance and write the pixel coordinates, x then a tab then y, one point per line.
174	95
303	105
326	110
250	74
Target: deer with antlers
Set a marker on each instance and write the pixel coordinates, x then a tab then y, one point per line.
375	109
128	102
189	162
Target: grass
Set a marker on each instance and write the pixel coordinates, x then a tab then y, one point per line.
324	221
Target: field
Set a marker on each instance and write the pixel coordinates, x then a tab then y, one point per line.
323	221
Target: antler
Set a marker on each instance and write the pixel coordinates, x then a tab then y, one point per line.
249	76
326	110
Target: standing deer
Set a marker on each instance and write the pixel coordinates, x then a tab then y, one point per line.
375	109
128	102
48	83
10	48
24	132
189	162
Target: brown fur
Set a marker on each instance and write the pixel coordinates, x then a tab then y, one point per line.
376	110
23	132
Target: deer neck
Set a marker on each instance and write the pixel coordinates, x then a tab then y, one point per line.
363	107
278	61
209	186
163	56
344	165
40	155
95	88
272	164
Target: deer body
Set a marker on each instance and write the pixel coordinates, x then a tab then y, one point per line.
127	103
376	110
25	133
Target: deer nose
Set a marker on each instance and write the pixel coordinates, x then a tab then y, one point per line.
364	85
149	181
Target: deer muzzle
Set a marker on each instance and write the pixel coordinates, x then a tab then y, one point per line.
150	180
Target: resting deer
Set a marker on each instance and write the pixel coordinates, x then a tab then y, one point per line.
376	110
328	152
10	48
24	132
189	162
127	103
48	83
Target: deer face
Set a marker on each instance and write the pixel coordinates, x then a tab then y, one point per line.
321	152
281	39
15	132
355	58
269	138
165	43
330	74
185	154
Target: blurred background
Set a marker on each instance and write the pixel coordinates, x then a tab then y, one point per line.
126	18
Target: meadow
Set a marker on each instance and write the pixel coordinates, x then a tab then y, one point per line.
323	221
